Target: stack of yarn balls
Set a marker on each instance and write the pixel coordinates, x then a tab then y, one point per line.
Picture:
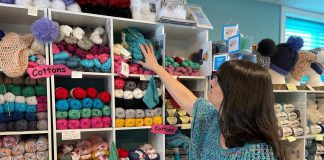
288	120
23	104
82	49
174	153
180	67
80	108
315	119
20	148
314	150
176	115
130	110
145	151
87	149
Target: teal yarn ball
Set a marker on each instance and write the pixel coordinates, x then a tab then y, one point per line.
86	113
41	90
75	103
3	89
61	115
1	109
97	63
87	63
62	105
87	103
61	56
20	107
74	114
175	64
16	90
28	91
106	66
106	110
9	87
96	113
97	104
9	107
31	108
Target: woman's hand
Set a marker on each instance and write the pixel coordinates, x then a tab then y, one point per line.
150	59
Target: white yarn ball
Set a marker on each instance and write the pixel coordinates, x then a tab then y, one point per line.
9	97
128	95
138	94
20	99
136	5
58	4
24	2
119	93
31	100
74	7
100	30
38	47
66	30
2	99
78	33
42	3
95	38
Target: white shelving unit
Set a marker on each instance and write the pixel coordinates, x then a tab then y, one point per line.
15	19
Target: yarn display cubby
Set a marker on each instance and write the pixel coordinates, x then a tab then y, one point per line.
15	19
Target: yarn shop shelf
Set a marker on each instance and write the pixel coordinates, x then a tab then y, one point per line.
15	19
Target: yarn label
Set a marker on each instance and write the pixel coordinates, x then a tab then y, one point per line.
319	137
32	11
48	70
71	135
145	77
163	129
125	69
185	126
76	74
291	139
291	87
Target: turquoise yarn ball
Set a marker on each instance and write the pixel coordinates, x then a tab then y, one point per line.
1	109
20	107
97	63
61	56
62	105
87	102
9	107
106	110
87	63
75	103
31	109
97	104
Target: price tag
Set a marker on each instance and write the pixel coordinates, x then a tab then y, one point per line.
125	69
125	53
71	135
319	137
291	87
145	77
76	74
291	138
32	11
185	126
310	87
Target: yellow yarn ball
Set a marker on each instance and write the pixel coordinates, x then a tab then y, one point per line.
119	123
157	120
148	121
139	122
130	122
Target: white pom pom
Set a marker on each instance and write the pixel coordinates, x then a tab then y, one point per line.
74	7
78	33
95	38
24	2
58	4
67	30
38	47
100	30
42	3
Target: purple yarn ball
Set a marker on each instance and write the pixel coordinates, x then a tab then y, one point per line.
8	1
45	30
295	43
68	2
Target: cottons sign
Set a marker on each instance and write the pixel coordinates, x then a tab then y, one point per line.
48	70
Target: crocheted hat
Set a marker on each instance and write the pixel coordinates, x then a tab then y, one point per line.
304	61
285	57
266	48
14	60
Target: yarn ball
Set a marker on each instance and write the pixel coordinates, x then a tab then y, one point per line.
78	93
148	121
45	30
97	104
139	113
120	113
16	90
61	124
19	107
130	86
96	113
3	127
267	47
130	122
31	116
106	122
9	97
85	123
74	114
62	105
91	92
11	126
58	4
41	107
42	125
119	83
61	115
40	90
42	99
106	110
295	43
74	7
86	113
31	100
28	91
9	107
96	122
73	124
75	103
104	97
21	125
41	115
149	112
87	103
130	113
18	115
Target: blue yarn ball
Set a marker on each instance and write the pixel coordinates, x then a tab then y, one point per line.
87	103
2	118
97	63
20	107
2	34
18	115
62	105
31	116
61	56
295	43
106	66
32	58
74	103
1	109
68	2
9	107
45	30
97	104
30	108
8	2
59	61
72	62
8	117
87	63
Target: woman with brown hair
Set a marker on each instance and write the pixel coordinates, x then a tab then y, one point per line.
238	120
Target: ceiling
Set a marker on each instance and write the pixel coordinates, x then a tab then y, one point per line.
308	5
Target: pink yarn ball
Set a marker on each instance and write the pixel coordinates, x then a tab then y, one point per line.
32	64
106	122
171	67
117	57
73	124
94	50
176	73
103	58
55	49
85	123
41	107
96	122
61	124
41	99
61	46
80	53
148	72
71	47
90	56
189	69
140	70
103	50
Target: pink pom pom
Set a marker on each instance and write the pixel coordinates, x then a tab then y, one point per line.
61	124
106	122
73	124
55	49
96	122
85	123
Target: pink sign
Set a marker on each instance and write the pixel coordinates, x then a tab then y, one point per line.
48	70
163	129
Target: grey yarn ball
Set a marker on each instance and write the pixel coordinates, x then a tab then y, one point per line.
42	125
22	125
11	126
3	127
143	85
130	113
120	112
149	112
41	81
158	112
130	86
32	125
139	113
42	116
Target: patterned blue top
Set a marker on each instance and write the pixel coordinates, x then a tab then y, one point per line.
205	138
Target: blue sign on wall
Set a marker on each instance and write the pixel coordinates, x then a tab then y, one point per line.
218	60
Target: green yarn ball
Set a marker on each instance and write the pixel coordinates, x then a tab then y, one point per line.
185	63
169	59
106	110
61	115
40	90
74	114
9	87
167	63
175	64
3	89
86	113
28	91
16	90
96	113
190	64
196	66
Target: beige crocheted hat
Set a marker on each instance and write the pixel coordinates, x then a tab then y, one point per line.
13	59
304	61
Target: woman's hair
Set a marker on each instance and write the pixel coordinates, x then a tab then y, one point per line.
247	109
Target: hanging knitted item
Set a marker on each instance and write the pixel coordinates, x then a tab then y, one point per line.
113	151
151	98
45	30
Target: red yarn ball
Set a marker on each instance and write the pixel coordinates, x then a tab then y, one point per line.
122	153
92	92
61	93
104	97
178	59
78	93
119	83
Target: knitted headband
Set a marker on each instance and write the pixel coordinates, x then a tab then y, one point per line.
318	68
